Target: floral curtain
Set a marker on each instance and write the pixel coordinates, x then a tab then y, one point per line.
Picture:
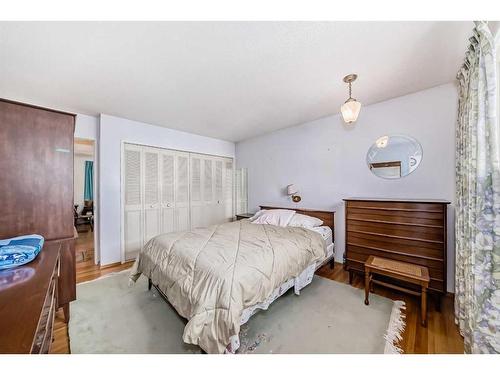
477	218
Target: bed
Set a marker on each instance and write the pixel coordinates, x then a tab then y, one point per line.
218	277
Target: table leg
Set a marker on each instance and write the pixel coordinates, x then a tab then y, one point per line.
367	287
424	306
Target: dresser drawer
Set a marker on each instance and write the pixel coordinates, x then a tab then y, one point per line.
400	230
43	335
372	242
361	254
422	218
395	206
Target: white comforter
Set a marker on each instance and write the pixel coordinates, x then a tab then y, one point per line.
210	275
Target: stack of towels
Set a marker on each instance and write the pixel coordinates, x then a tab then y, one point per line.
19	250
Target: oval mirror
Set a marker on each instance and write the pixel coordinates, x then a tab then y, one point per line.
394	156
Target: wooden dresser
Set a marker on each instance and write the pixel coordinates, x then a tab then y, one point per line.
36	165
28	303
412	231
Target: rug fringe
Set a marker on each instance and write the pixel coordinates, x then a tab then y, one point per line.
396	328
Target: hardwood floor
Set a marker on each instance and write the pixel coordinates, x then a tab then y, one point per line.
440	336
86	270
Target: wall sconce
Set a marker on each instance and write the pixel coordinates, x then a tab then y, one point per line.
292	191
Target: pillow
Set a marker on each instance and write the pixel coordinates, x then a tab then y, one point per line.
305	221
257	214
274	217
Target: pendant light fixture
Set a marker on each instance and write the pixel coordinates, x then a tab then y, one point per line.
350	109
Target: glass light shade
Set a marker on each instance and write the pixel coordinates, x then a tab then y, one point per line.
350	110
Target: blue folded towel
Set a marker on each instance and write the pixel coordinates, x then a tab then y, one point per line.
19	250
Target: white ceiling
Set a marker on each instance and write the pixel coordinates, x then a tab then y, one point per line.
229	80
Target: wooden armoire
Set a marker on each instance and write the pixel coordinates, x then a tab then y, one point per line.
36	183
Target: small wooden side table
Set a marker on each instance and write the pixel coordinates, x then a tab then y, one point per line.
411	273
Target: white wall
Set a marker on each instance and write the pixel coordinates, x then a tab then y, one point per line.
112	132
86	126
79	178
326	159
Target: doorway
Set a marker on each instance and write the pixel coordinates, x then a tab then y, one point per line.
84	198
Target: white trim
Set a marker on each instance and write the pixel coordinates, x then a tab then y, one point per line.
97	210
95	192
122	203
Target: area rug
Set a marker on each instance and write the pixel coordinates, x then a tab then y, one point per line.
111	316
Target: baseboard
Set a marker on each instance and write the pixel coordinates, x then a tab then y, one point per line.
115	264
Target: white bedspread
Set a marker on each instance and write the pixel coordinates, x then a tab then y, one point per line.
210	275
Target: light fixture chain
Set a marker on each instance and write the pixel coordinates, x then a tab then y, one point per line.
350	90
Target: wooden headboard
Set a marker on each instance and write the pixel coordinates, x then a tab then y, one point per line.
328	217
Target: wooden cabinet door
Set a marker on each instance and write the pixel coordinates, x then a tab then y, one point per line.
36	168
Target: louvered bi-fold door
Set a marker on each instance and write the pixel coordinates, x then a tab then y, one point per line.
133	210
166	190
219	206
208	191
240	188
182	221
167	186
228	189
151	167
197	218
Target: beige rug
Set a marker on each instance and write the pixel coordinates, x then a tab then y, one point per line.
109	316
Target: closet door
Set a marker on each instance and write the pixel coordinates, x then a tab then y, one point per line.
133	218
208	191
219	204
167	187
197	219
228	189
151	158
181	219
240	188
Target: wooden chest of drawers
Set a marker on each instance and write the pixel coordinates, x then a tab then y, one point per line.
28	303
412	231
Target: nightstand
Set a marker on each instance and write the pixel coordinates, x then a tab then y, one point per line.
246	215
